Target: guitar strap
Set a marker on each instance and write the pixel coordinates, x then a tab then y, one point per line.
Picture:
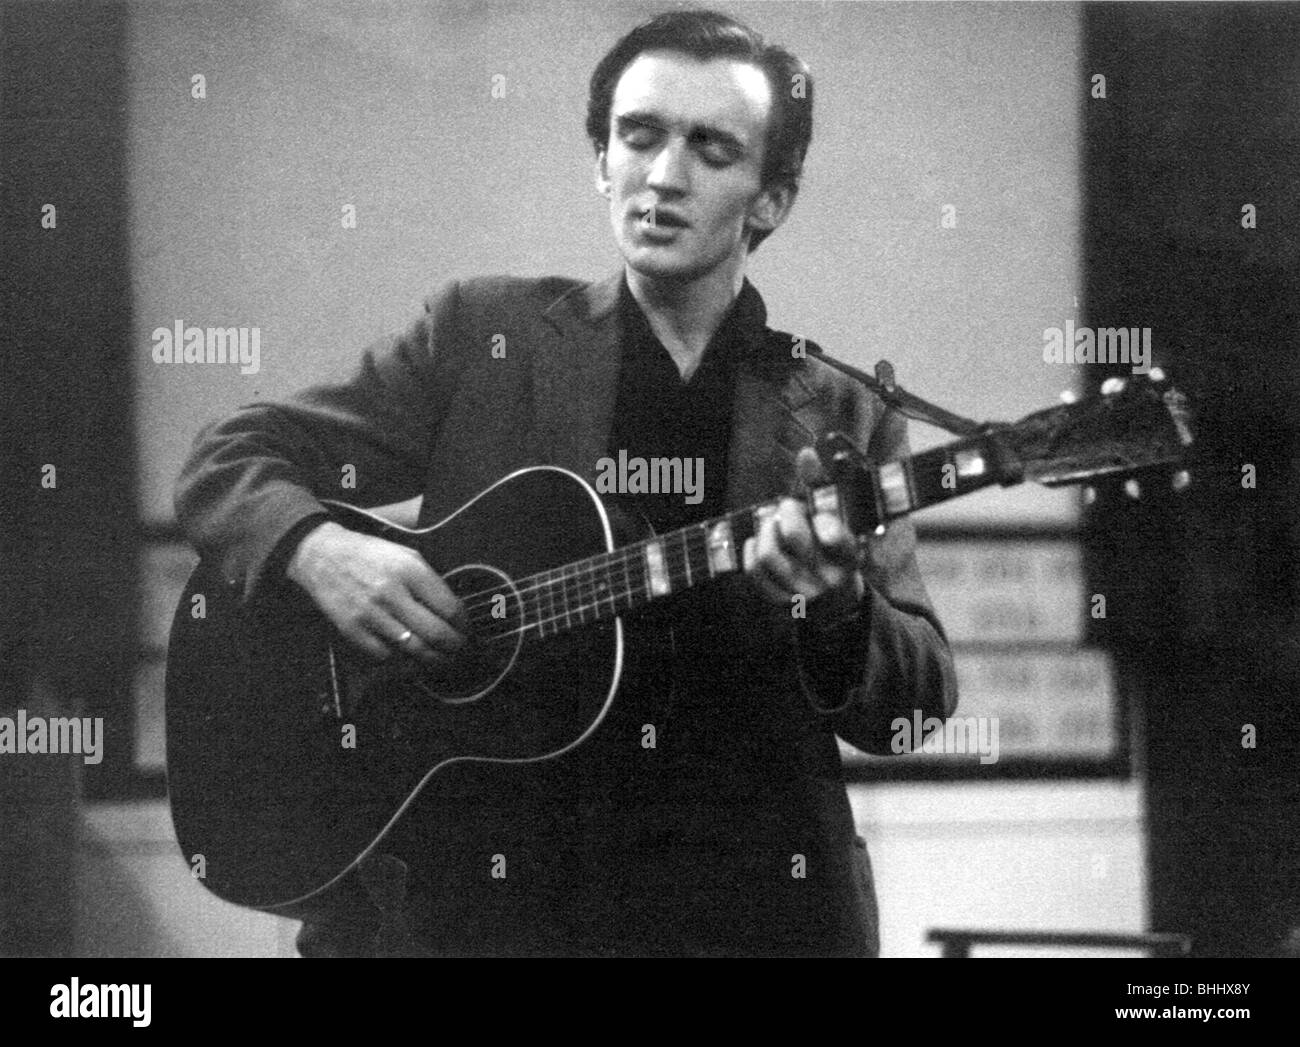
908	404
1006	463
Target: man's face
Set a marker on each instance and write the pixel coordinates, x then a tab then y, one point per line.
683	163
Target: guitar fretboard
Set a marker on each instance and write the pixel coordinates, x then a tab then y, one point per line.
600	587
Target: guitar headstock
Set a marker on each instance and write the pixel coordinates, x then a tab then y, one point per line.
1135	424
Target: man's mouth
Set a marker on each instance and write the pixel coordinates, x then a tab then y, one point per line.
659	218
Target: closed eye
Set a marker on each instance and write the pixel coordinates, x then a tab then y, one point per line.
637	134
716	148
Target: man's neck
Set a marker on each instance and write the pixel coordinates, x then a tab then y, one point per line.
686	315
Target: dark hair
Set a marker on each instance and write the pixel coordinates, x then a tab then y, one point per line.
705	35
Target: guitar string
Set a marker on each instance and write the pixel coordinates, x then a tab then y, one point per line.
586	575
538	623
582	585
598	603
624	555
583	575
585	570
594	585
597	583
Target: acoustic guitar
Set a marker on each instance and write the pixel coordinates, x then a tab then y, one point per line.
291	754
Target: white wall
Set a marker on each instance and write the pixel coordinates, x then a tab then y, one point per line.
1007	857
135	895
236	199
997	857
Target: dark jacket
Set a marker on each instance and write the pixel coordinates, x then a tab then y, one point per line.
752	850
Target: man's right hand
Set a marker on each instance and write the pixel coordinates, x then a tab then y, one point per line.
375	591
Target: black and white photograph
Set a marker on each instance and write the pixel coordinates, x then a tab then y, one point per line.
604	480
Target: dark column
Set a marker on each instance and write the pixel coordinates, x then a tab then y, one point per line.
1201	117
67	595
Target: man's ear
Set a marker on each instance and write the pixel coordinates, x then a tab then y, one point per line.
771	207
602	174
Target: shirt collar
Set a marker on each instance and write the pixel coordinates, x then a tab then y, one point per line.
743	327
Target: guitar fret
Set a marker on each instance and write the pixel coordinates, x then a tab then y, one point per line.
684	541
559	599
627	581
970	463
576	576
588	590
599	589
656	571
544	613
608	583
720	548
634	565
827	500
894	488
564	595
699	549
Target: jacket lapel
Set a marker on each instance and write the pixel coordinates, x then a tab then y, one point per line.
773	413
772	419
577	376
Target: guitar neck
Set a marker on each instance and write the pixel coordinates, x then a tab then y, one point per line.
603	586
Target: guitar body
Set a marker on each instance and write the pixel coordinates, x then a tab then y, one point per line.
291	754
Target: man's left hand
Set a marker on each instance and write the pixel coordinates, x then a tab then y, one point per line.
816	559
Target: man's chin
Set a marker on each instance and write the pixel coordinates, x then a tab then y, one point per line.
664	264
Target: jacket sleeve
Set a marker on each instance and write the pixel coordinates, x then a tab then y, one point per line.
254	481
892	657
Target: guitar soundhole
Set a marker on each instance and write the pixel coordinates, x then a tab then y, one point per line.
393	695
494	609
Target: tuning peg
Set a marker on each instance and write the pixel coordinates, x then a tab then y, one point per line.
1089	495
1112	385
1133	489
1156	374
1068	396
1181	481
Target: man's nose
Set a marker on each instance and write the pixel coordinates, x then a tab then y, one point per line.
670	169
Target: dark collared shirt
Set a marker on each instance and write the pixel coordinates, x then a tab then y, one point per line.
657	414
